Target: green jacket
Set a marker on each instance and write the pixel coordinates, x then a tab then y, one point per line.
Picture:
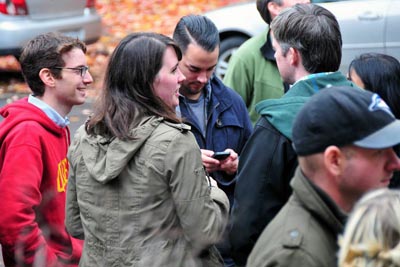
252	76
304	233
144	202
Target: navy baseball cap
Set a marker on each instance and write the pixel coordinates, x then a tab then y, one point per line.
343	116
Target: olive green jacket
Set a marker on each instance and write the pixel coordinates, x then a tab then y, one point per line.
304	233
144	202
253	76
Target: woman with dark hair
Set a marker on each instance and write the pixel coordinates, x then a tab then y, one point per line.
379	73
138	193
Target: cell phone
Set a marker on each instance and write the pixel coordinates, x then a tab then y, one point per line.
221	155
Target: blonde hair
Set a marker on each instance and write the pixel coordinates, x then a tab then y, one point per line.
372	233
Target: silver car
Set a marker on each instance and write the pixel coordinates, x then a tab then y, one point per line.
366	26
24	19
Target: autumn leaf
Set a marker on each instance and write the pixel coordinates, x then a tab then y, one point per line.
119	18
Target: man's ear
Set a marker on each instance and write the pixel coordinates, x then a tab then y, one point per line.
47	77
295	57
333	160
273	9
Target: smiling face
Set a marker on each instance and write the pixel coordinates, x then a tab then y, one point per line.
197	65
70	89
168	80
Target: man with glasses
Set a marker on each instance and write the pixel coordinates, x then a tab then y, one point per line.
34	139
80	70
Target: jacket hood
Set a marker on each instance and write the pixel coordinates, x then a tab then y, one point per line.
20	111
282	112
105	158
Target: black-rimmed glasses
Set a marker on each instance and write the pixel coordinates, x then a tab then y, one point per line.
82	70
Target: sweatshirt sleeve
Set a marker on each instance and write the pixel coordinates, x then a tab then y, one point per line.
20	182
202	209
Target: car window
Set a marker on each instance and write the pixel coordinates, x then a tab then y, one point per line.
392	43
362	24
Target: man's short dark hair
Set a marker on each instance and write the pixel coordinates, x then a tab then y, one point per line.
314	32
196	29
45	51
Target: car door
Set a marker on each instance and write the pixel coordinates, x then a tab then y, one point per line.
362	24
39	9
392	33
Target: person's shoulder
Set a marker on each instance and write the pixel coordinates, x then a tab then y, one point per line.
173	132
290	225
283	257
173	135
175	126
223	90
229	96
263	124
25	133
235	95
33	127
282	241
302	232
80	134
252	45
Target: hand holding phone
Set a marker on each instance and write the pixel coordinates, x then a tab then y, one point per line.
221	155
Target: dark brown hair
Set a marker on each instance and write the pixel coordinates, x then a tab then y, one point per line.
128	86
46	51
314	32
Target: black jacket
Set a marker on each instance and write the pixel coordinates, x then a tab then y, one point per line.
271	192
268	162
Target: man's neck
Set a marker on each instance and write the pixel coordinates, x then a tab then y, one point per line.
189	95
193	97
62	110
331	189
300	75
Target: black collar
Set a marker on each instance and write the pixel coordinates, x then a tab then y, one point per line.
269	54
266	50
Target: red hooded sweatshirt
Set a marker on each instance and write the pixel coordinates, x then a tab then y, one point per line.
33	180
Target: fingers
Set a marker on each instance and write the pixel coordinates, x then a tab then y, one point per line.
210	163
228	165
233	156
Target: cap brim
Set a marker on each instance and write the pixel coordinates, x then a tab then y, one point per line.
386	137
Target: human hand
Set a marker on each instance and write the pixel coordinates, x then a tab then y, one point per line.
209	162
230	164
